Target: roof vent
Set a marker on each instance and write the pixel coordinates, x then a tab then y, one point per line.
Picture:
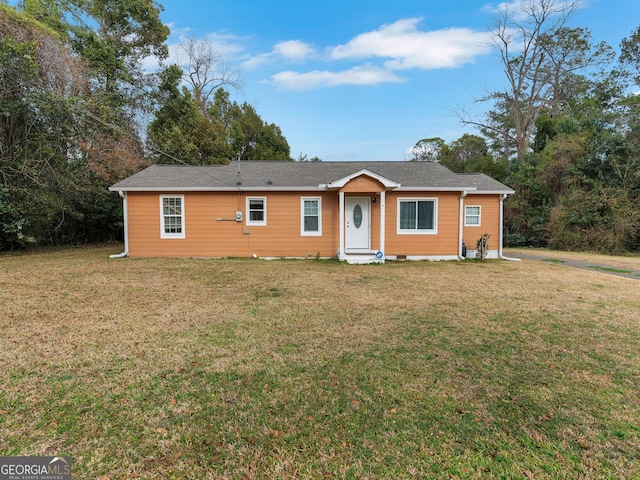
269	182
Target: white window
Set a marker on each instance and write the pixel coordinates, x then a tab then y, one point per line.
417	215
311	216
472	216
256	211
172	216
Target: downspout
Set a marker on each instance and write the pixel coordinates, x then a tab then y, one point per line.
125	216
461	224
500	255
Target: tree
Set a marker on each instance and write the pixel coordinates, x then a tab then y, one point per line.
428	150
630	56
305	158
245	133
40	82
71	95
180	132
470	153
498	128
255	139
10	222
112	37
205	71
541	59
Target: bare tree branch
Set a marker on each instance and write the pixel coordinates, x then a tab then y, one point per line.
206	70
529	40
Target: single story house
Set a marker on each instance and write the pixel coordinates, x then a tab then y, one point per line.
360	212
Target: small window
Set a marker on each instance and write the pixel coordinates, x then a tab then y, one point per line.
172	216
311	219
417	216
472	216
256	211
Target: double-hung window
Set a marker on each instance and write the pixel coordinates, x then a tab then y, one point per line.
172	216
417	215
311	216
256	211
472	216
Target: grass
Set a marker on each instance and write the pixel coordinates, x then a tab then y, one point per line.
612	269
195	369
630	262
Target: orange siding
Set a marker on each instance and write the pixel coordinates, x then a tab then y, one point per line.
445	242
363	184
205	236
489	220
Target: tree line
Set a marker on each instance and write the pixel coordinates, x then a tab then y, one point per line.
564	133
78	112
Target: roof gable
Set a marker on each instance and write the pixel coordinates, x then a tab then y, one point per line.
341	182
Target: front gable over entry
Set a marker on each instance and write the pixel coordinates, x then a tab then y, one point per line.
363	184
364	173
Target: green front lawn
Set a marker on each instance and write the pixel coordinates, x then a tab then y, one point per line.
195	369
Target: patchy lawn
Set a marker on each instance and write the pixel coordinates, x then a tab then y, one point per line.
624	264
194	369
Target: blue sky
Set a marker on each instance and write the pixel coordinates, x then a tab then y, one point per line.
365	80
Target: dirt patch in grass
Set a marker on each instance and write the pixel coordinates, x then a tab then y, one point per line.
167	368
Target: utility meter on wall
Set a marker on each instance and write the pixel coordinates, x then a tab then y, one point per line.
239	216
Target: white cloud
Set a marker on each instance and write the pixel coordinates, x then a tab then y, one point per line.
293	50
407	47
359	75
226	44
289	51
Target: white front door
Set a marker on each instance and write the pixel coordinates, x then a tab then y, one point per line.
357	223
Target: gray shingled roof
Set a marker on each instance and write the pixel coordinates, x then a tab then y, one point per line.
266	175
485	183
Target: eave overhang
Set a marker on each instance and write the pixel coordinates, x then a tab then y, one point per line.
271	188
240	188
492	192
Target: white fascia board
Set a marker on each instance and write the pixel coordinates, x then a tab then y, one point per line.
435	189
493	192
270	188
239	188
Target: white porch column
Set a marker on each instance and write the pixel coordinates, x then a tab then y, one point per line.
341	246
382	220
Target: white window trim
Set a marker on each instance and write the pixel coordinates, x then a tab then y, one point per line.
433	231
317	233
479	207
164	234
258	223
